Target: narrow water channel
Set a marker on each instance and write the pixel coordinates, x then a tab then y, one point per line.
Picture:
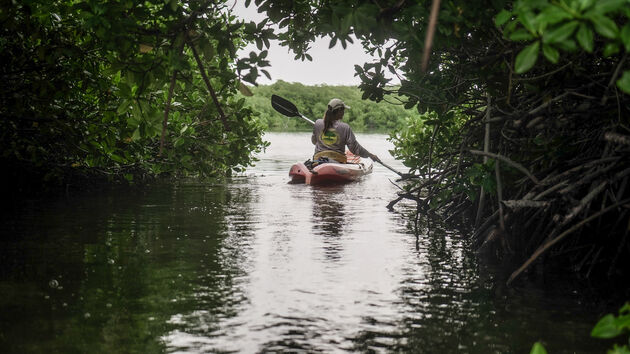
258	265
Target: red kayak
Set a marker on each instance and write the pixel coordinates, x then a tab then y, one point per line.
331	172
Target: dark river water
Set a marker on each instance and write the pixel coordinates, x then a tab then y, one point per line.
254	264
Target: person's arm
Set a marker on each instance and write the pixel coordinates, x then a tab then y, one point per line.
314	136
356	148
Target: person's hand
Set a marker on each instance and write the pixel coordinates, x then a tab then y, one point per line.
375	158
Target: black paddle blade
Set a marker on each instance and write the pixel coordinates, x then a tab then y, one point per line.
283	106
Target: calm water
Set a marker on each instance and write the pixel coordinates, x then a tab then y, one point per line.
258	265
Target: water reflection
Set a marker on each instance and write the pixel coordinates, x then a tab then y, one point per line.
256	265
123	268
217	293
329	219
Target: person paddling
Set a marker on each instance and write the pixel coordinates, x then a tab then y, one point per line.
331	135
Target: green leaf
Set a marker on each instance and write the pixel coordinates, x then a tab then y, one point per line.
528	19
552	15
624	82
619	350
569	45
136	135
510	26
116	158
625	36
333	41
623	322
610	49
502	17
124	91
585	4
244	90
538	348
526	59
605	6
206	48
606	328
123	107
551	53
561	33
603	25
521	35
584	36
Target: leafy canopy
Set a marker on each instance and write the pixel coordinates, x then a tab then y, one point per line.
127	88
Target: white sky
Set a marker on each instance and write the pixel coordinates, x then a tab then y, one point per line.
333	66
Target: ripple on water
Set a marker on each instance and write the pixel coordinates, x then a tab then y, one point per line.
254	264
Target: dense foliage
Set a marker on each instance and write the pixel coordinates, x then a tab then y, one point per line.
526	115
312	100
125	89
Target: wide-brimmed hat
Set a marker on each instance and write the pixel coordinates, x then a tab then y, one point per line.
336	103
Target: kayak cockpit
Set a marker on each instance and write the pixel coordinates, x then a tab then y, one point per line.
327	171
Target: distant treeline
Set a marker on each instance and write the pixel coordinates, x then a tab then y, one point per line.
363	116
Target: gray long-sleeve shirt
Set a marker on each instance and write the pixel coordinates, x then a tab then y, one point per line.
336	139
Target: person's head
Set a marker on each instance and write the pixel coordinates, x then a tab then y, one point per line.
336	109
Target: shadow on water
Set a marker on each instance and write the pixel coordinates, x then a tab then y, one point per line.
105	272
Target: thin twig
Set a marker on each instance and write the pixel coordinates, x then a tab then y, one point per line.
497	173
486	149
544	75
584	202
516	165
202	70
617	138
547	103
428	41
167	109
525	203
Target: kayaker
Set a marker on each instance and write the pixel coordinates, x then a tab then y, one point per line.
331	135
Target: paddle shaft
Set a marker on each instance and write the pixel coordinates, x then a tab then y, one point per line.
306	119
391	168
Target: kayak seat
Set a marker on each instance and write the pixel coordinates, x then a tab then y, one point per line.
331	155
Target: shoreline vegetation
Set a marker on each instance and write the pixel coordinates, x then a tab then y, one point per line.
363	115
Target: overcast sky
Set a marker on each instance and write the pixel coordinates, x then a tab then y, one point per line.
329	66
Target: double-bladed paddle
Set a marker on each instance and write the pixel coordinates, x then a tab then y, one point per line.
288	109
